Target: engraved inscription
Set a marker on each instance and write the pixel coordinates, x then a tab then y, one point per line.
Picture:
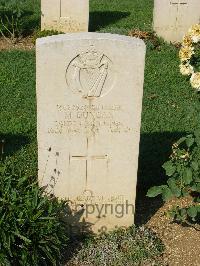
178	2
65	24
88	74
88	197
89	119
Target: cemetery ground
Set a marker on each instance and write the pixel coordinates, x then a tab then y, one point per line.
167	97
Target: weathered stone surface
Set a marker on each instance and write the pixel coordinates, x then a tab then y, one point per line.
89	102
65	15
173	18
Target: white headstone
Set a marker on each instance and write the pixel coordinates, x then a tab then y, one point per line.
173	18
89	102
65	15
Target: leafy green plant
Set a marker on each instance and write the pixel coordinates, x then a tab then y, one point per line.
183	167
32	227
44	33
17	18
10	22
183	170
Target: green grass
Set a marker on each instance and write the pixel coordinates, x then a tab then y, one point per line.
114	16
166	94
167	97
118	16
18	108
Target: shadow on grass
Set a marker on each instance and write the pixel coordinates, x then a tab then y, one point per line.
155	149
11	143
77	230
100	19
30	24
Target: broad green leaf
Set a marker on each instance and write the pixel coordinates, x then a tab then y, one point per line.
171	182
197	133
198	187
183	212
195	165
197	200
192	211
167	194
185	192
187	176
197	139
179	168
170	168
154	191
193	187
176	191
171	214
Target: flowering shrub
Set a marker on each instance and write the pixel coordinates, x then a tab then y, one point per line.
190	56
183	167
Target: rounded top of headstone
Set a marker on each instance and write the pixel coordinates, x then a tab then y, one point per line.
89	36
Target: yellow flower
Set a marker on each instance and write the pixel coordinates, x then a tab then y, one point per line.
187	40
186	53
194	32
195	81
186	69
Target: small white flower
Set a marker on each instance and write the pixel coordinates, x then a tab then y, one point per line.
195	81
195	38
186	69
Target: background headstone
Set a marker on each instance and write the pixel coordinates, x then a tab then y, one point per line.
65	15
89	102
173	18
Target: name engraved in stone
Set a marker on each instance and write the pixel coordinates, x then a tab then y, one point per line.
76	119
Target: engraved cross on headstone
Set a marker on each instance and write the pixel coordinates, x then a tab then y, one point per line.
87	158
60	8
178	4
62	4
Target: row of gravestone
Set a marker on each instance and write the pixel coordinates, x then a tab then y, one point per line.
89	102
172	18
